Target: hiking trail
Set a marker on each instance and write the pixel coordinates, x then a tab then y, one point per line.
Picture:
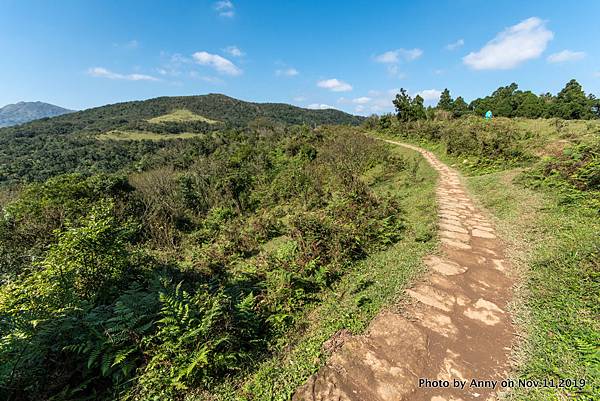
456	326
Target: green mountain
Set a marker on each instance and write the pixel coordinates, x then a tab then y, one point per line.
109	138
22	112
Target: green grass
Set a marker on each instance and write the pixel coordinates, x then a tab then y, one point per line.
118	135
181	115
367	287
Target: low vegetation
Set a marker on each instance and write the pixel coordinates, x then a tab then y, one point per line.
189	276
181	115
117	135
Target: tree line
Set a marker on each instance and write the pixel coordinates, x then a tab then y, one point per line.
571	103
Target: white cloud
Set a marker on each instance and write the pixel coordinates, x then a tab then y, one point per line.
287	72
429	94
319	106
514	45
225	8
455	45
361	100
359	109
395	56
100	72
565	55
394	71
234	51
335	85
220	64
299	98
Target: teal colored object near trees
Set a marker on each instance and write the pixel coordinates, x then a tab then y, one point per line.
488	115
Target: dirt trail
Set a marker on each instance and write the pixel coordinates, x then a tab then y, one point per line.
456	327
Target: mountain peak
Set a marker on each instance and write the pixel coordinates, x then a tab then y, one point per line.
22	112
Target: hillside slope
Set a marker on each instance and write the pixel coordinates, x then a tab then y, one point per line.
108	138
22	112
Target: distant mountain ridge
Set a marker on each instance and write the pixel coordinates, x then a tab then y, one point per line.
23	112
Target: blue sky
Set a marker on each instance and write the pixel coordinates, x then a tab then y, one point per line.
351	55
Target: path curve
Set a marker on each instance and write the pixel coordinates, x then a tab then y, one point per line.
456	327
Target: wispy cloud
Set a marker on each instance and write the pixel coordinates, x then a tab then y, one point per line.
516	44
101	72
225	8
455	45
218	63
132	44
361	100
234	51
376	101
319	106
287	72
565	55
334	85
211	80
398	55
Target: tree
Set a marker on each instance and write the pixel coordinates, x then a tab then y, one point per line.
571	102
409	109
417	110
371	122
385	121
446	102
403	104
528	105
459	107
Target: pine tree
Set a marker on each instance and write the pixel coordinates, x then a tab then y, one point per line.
446	102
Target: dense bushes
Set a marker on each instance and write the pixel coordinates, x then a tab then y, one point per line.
483	144
574	172
177	277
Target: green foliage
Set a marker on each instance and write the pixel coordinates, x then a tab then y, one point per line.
574	173
480	145
42	313
199	336
92	314
42	149
30	223
407	108
446	102
570	103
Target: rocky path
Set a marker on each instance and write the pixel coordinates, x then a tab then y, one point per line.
456	329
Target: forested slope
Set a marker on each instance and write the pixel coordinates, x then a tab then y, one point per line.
78	142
